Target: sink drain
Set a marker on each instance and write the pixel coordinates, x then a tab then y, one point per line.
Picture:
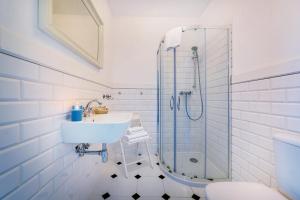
193	160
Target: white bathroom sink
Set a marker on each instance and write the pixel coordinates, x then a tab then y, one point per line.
104	128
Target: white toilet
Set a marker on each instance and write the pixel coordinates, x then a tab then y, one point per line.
287	153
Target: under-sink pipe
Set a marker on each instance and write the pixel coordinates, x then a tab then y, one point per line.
104	154
81	149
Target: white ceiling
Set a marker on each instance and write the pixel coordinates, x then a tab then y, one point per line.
158	8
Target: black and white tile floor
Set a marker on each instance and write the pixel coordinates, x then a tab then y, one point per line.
143	183
93	180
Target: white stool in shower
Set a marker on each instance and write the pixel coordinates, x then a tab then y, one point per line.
136	124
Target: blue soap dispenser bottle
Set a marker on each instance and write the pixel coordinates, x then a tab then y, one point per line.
76	113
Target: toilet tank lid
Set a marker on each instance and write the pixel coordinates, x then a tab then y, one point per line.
288	138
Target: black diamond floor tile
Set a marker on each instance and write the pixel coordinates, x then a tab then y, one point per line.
165	196
140	154
114	175
196	197
161	176
138	163
119	163
157	163
106	195
136	196
137	176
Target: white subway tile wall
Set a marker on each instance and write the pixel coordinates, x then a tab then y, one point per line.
217	87
261	109
33	102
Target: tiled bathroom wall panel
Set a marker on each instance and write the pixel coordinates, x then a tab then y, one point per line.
33	102
217	102
261	109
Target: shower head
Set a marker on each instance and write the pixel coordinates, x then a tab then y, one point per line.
195	52
194	48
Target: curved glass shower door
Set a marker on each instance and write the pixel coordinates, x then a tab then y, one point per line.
190	117
194	102
182	140
167	108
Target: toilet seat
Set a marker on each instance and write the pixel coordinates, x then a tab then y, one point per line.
241	191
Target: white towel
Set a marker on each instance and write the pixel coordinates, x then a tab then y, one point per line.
136	135
138	139
173	38
133	130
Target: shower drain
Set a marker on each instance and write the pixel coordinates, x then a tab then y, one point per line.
193	160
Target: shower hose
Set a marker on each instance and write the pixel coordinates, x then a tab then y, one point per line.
200	93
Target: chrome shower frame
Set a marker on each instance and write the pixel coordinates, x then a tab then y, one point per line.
177	177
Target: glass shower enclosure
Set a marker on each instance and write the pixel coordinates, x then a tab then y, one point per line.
194	106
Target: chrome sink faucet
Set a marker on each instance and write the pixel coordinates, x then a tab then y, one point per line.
87	109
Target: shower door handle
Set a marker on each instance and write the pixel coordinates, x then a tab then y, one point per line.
178	103
172	103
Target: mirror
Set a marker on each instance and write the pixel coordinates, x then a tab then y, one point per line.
76	24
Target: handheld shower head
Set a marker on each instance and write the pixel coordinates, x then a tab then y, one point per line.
196	63
194	48
195	52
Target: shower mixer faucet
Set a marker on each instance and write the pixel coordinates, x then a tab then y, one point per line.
185	93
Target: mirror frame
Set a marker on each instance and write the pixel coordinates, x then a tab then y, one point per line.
45	22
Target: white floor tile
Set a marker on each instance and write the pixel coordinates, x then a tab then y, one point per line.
199	191
123	187
147	171
174	189
120	198
103	186
149	198
150	186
